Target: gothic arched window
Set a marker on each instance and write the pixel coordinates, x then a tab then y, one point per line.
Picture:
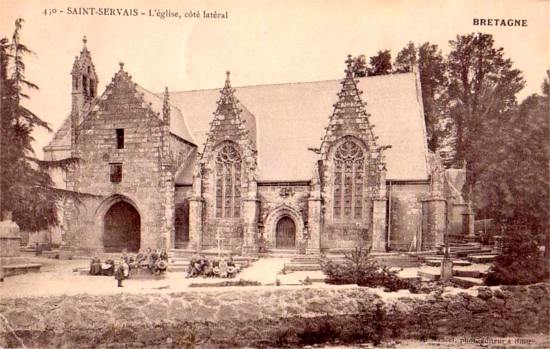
228	182
349	174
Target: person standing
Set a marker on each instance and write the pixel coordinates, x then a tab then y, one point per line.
119	273
153	258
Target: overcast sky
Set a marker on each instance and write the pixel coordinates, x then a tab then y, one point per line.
261	42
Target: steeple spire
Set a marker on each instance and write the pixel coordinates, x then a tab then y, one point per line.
228	79
166	106
84	41
349	70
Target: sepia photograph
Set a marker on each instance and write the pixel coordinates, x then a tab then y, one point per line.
275	174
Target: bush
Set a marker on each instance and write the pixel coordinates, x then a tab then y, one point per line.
519	263
360	268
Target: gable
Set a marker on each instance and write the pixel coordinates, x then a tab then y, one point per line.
178	124
290	118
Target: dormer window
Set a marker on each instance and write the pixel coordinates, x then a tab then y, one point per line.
120	138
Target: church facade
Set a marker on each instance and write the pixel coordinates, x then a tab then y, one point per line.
303	166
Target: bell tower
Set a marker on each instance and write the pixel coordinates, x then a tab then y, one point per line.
84	87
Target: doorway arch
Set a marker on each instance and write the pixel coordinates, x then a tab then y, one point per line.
272	221
285	233
121	228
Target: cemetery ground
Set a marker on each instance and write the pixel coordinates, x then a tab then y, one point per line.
64	278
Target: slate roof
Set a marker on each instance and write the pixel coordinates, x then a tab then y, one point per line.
184	174
178	124
290	118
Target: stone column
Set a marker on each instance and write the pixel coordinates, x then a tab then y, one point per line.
251	212
314	225
379	224
379	208
251	215
434	210
168	232
468	220
195	223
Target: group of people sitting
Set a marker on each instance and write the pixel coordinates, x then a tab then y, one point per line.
218	267
155	261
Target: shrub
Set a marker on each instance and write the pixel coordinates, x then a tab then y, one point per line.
519	263
360	268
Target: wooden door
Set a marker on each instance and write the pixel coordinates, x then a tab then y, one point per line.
286	233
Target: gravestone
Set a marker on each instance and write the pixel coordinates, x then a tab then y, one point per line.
10	238
11	262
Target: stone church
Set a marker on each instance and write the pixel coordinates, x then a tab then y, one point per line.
307	166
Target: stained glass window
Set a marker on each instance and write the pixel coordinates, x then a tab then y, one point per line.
228	182
349	172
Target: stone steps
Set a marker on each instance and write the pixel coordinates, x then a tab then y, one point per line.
309	263
465	253
18	269
276	255
466	281
433	276
438	257
482	258
54	254
437	263
424	253
468	273
186	253
290	267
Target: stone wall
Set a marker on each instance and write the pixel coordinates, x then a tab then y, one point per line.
269	317
277	202
406	210
145	172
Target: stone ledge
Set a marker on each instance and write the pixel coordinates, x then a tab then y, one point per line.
18	269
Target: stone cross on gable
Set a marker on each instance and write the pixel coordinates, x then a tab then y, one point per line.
219	239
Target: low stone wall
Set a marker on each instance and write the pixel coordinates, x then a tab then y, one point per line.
268	317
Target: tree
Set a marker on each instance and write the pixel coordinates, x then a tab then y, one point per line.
380	64
514	188
360	66
482	95
25	185
432	67
520	262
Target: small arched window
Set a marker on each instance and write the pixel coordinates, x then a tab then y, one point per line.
349	174
228	182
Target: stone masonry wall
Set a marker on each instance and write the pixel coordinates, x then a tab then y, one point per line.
142	183
406	210
294	202
269	317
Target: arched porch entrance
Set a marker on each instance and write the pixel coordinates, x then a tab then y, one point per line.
285	233
121	228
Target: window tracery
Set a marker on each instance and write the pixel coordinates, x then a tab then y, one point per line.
228	182
349	176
